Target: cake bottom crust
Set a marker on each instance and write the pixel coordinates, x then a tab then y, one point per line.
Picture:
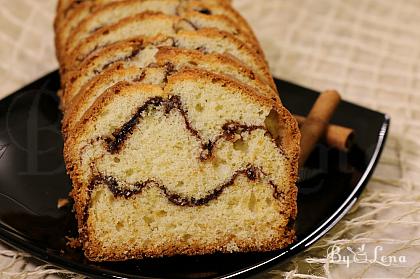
148	225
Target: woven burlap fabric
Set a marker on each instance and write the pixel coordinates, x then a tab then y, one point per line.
369	50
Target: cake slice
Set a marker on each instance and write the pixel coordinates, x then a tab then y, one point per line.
64	7
206	41
165	59
196	165
72	13
147	24
69	15
110	14
139	53
66	20
194	11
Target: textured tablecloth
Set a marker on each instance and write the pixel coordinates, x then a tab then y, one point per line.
369	50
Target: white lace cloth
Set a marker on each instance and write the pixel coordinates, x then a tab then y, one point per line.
368	50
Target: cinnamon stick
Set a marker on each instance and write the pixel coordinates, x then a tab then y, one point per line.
316	122
335	136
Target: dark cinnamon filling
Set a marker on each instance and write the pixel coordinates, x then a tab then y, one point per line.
230	129
140	77
193	26
169	70
114	144
204	11
136	50
251	172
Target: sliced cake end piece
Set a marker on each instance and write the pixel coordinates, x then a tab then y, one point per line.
201	165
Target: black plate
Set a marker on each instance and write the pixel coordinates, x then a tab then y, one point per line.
32	178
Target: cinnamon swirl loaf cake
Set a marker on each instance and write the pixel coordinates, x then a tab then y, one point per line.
175	138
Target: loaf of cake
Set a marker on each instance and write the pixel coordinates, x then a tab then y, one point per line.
175	137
